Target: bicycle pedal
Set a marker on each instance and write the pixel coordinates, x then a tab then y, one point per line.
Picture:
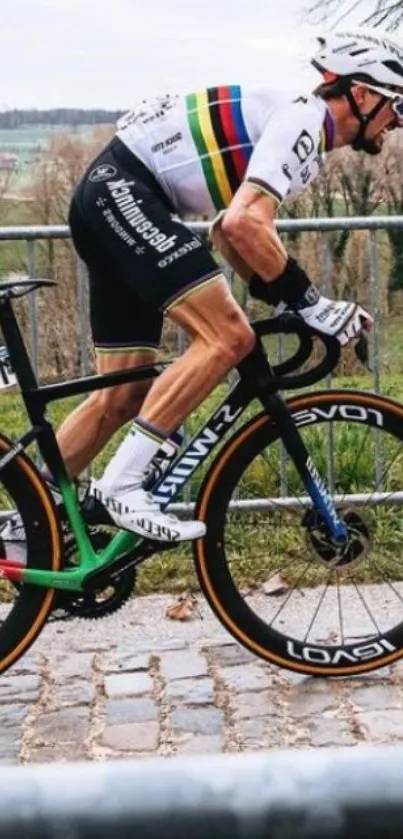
94	512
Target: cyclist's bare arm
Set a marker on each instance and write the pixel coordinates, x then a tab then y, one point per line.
247	237
223	245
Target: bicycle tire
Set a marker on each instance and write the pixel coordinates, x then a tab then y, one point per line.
210	553
21	481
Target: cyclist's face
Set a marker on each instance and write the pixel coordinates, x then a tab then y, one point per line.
379	128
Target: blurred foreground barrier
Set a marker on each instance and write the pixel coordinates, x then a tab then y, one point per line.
343	794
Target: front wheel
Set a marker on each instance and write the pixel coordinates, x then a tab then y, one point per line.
267	566
24	609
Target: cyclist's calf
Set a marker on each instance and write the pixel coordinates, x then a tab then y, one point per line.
118	405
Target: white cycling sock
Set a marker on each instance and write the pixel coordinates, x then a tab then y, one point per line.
127	467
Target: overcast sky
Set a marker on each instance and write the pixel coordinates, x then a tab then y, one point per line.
93	53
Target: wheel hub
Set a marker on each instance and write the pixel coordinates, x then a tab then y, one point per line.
326	549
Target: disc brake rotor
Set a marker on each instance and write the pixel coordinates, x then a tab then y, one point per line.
330	552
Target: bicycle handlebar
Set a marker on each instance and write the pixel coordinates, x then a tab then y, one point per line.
290	324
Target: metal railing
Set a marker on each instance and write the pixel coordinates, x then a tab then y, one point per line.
32	234
327	794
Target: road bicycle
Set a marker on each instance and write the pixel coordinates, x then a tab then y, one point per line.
305	493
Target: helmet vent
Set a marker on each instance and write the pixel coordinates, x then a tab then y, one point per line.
395	66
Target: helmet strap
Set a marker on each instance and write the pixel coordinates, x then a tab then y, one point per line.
359	143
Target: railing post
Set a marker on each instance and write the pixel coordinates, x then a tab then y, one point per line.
33	322
83	325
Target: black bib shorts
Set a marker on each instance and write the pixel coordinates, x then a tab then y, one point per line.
141	259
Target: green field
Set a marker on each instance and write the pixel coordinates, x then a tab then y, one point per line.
30	143
37	135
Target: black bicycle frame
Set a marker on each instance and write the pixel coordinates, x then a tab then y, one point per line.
256	380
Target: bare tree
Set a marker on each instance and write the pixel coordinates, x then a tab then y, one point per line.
50	192
374	12
393	198
6	180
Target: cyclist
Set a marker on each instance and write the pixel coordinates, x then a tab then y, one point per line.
228	150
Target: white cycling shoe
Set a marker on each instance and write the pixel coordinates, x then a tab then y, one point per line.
13	544
13	540
138	511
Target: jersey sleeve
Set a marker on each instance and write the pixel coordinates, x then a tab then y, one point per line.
285	150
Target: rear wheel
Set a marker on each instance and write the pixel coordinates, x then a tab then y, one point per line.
24	609
270	571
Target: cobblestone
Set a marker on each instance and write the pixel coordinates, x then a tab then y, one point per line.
262	733
72	666
376	697
130	710
68	725
200	744
128	684
228	654
138	737
251	705
245	677
73	692
381	728
331	732
183	664
20	688
117	663
191	691
167	688
207	720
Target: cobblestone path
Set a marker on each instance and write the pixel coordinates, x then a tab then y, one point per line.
138	684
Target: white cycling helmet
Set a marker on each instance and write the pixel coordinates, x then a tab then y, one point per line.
366	57
366	52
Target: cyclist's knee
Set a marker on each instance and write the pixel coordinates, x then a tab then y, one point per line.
236	341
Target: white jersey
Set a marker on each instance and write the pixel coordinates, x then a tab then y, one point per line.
202	146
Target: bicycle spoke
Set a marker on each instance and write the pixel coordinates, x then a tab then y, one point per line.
316	612
340	610
282	480
287	599
367	609
383	477
353	469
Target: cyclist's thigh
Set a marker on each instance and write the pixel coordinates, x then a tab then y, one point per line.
126	333
128	215
121	322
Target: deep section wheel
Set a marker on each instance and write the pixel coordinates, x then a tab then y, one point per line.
24	609
269	568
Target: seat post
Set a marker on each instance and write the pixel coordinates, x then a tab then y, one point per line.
19	357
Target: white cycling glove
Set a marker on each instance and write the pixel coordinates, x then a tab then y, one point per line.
345	321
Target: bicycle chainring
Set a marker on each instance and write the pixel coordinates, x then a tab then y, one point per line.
96	603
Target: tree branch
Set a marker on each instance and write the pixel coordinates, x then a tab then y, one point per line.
382	11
